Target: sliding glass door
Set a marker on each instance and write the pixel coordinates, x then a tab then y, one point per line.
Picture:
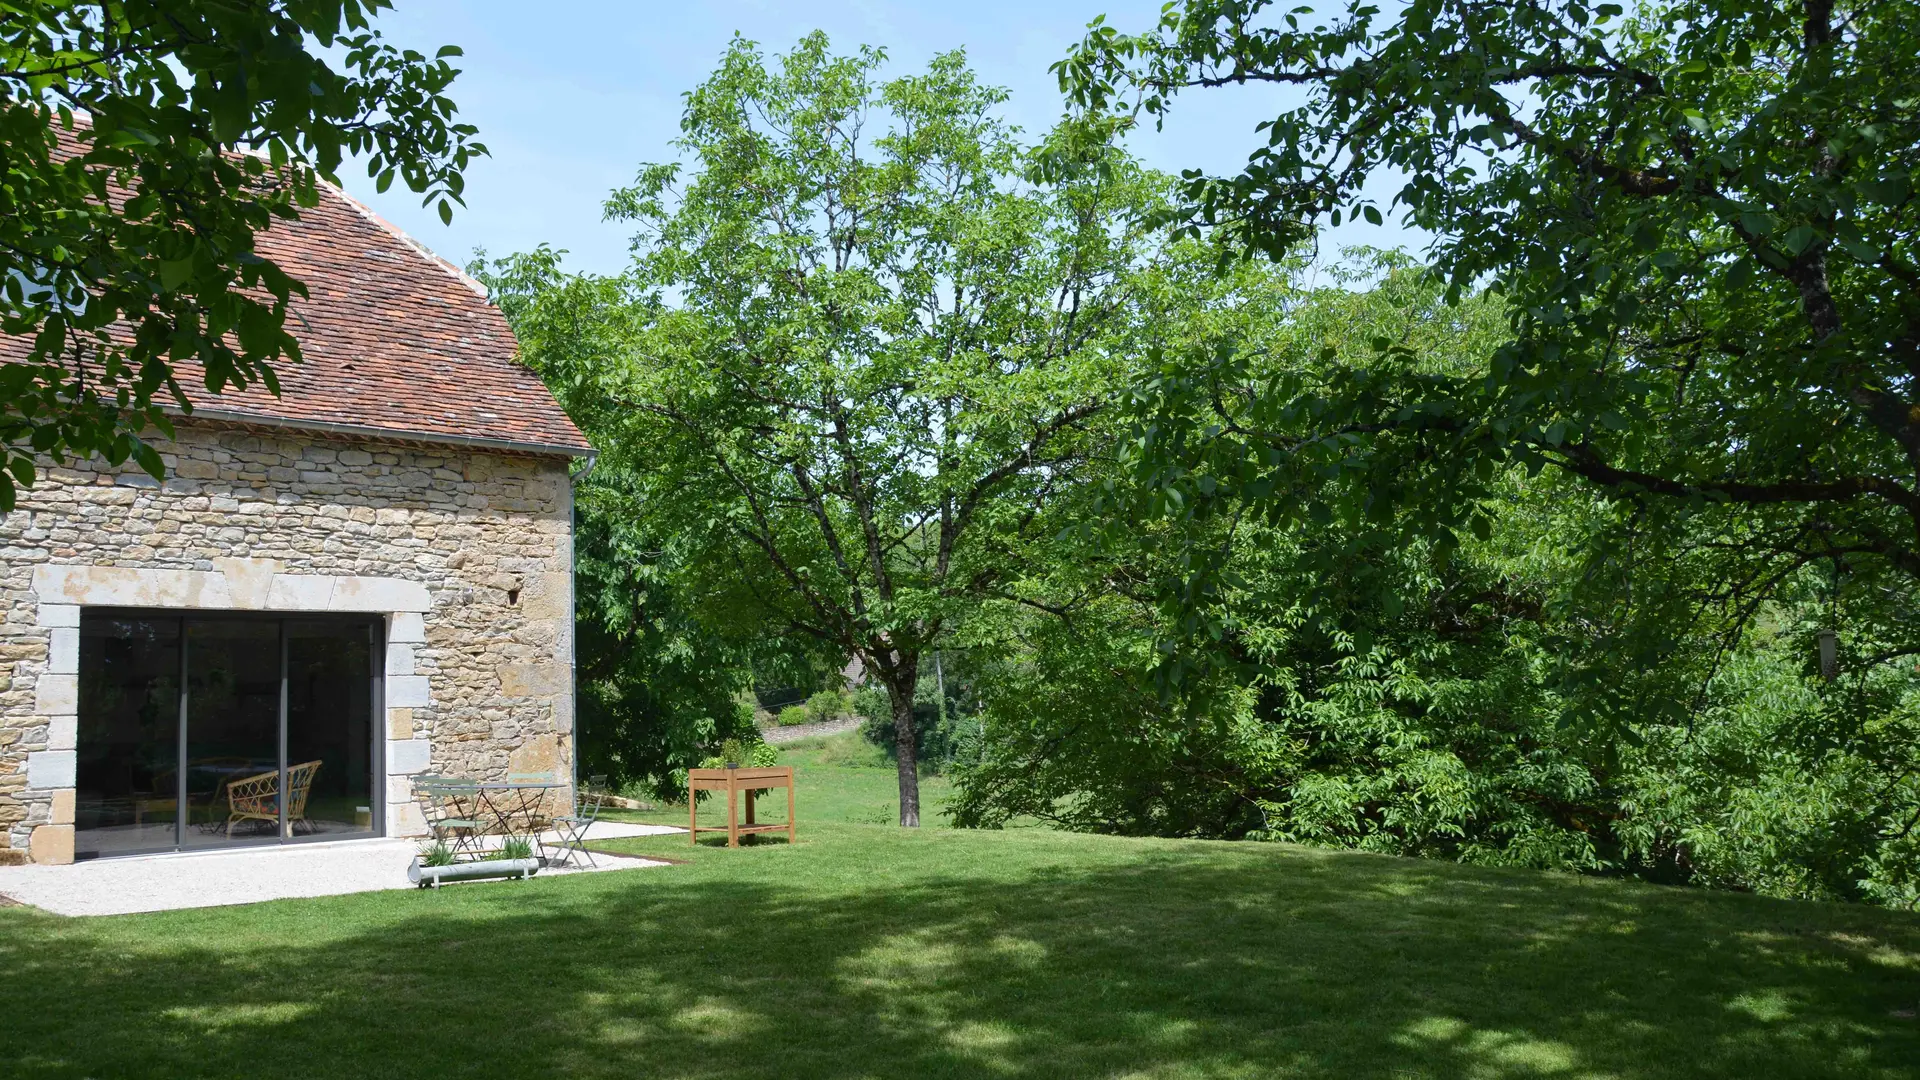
129	728
330	726
202	731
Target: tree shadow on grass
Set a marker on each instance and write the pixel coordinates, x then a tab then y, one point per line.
1181	962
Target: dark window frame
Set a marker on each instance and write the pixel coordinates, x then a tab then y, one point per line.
377	622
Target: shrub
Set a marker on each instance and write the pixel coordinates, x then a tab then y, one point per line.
756	755
795	714
829	705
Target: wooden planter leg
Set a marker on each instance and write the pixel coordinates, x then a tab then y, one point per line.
693	810
733	814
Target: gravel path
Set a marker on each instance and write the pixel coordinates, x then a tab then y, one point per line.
218	878
778	735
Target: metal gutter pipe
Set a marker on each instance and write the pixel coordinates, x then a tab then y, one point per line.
574	480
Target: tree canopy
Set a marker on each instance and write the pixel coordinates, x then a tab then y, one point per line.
867	344
145	147
1700	218
1230	546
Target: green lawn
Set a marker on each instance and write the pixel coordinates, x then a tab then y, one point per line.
864	951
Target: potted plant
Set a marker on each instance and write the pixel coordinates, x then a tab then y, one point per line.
436	864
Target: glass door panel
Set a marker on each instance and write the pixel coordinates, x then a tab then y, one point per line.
233	764
129	725
330	727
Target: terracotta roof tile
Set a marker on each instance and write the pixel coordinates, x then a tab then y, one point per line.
396	340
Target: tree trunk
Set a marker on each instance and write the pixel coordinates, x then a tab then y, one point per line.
900	696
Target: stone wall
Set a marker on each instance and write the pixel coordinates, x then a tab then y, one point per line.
479	682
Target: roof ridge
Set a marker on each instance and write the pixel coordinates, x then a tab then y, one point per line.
445	265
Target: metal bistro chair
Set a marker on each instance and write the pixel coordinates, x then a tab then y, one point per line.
533	807
572	828
445	815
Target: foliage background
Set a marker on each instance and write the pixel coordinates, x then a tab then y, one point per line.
1224	615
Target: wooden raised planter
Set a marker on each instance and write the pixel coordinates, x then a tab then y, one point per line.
733	782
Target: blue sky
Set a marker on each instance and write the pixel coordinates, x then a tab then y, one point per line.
572	95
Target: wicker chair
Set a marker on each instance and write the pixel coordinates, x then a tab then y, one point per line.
257	798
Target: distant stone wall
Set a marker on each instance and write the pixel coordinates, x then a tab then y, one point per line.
468	553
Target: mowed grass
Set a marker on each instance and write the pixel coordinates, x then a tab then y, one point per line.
866	951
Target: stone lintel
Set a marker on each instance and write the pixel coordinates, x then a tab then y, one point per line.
127	586
379	594
238	584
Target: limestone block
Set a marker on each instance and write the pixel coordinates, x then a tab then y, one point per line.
538	754
533	680
407	627
63	807
408	692
547	596
399	723
63	651
405	819
248	580
58	615
379	594
399	789
407	756
128	586
300	592
52	845
63	732
399	659
51	769
57	695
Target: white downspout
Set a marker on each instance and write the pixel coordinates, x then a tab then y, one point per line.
574	480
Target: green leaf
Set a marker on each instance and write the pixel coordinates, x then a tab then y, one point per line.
175	273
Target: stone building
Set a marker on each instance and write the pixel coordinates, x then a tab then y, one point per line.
365	578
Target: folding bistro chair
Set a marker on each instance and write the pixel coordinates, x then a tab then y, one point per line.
572	828
448	819
530	804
